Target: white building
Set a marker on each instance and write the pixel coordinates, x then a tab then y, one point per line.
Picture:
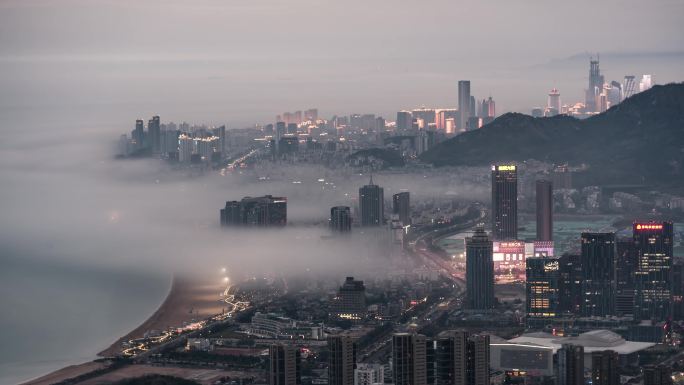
369	374
185	148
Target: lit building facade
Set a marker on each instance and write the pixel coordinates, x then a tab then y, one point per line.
504	202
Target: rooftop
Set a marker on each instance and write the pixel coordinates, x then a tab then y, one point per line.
595	340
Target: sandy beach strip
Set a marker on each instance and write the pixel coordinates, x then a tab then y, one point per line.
189	300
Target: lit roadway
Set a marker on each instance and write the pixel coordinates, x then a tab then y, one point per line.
376	351
143	345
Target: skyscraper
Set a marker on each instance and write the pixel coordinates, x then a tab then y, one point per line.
570	284
266	211
553	104
372	204
340	219
350	303
504	202
153	127
479	271
462	358
138	135
463	103
544	210
571	365
598	274
401	205
410	359
605	368
628	86
542	283
342	360
285	365
404	120
654	251
595	86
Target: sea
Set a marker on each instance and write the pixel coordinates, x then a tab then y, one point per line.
54	314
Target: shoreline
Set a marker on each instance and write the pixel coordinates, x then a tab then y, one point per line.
188	300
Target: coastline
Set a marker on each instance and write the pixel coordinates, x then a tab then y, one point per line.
188	300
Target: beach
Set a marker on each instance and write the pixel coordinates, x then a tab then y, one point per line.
188	300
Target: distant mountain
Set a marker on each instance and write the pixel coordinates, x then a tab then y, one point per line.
641	140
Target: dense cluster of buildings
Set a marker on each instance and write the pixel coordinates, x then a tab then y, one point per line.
600	95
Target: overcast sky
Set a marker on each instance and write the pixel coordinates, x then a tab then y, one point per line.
242	62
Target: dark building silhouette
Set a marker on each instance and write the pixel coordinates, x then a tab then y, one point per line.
605	368
504	202
412	359
462	358
266	211
340	219
677	278
350	303
544	210
657	375
570	284
479	271
598	274
154	132
542	287
285	365
654	251
401	205
372	204
138	135
342	360
625	269
463	103
571	365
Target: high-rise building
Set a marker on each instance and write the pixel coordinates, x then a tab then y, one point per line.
154	130
570	284
628	86
595	86
372	204
463	103
350	302
653	243
401	206
657	375
285	365
645	83
404	120
462	358
369	374
598	274
186	147
571	365
443	115
342	360
544	199
479	271
542	284
488	108
605	366
553	104
504	202
311	114
266	211
625	269
410	359
138	135
340	219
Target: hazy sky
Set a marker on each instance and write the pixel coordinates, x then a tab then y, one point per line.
245	61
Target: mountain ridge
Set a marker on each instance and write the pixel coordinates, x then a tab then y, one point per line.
641	139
